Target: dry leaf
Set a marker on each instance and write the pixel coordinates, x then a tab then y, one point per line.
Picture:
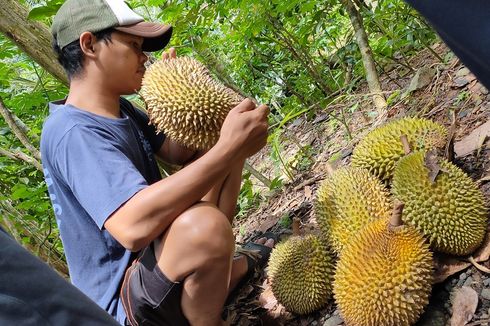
464	306
267	299
308	192
446	266
431	162
483	253
473	141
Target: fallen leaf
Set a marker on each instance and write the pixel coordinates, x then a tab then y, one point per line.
307	192
464	306
473	141
483	253
446	266
431	162
267	299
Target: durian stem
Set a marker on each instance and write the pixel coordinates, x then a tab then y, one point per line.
296	223
396	216
406	144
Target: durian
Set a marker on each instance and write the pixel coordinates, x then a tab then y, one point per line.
381	148
384	276
301	271
185	102
346	201
450	211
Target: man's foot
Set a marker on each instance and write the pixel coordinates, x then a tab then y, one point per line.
251	256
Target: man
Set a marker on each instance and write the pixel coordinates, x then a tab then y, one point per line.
106	190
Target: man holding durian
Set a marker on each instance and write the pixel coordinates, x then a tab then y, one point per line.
149	251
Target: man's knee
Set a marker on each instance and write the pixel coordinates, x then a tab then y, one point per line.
206	229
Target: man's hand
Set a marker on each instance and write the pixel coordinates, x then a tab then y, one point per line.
245	129
170	54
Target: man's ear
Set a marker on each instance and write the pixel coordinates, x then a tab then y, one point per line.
88	44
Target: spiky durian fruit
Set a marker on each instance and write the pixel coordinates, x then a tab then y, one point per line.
346	201
301	271
185	102
384	276
381	148
450	211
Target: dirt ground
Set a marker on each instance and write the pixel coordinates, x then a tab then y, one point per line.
445	92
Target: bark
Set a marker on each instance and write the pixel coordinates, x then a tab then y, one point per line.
7	115
367	56
32	37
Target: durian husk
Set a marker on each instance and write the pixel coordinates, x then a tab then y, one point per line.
450	211
185	102
346	201
379	151
301	271
384	276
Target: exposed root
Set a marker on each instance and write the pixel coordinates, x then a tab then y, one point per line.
478	266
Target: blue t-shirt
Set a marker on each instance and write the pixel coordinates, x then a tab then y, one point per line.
93	165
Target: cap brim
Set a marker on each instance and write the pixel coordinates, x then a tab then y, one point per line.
156	35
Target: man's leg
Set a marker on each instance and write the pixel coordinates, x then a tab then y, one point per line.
225	195
197	249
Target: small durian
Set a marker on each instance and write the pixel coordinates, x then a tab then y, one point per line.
346	201
384	275
448	209
185	102
381	148
301	271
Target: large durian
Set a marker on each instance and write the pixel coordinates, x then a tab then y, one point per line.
185	102
346	201
450	211
301	271
381	148
384	276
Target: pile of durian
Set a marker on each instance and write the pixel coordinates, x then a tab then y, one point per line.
381	219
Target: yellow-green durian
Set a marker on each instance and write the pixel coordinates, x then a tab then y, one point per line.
185	102
382	148
384	276
450	211
301	271
346	201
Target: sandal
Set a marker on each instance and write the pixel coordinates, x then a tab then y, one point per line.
257	257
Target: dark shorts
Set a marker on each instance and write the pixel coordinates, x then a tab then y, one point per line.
148	296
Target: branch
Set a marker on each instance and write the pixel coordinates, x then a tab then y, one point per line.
19	156
7	115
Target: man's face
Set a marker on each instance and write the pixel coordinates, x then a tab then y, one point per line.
123	63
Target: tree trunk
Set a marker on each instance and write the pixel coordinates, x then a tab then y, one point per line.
367	56
32	37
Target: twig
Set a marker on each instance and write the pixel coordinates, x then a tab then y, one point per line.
308	182
7	115
19	156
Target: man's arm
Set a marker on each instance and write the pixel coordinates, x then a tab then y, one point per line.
173	153
148	213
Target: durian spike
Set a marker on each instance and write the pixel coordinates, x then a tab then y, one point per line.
406	144
396	216
296	223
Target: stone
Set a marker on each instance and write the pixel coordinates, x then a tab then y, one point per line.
468	281
462	72
333	321
485	293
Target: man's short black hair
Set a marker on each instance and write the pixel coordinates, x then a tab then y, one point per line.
71	56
